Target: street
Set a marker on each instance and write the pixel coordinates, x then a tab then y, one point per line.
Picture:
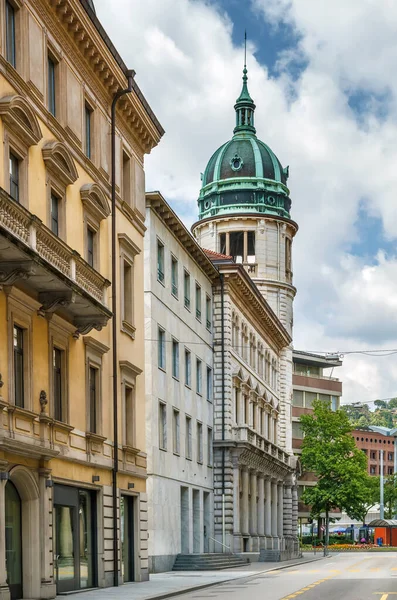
364	576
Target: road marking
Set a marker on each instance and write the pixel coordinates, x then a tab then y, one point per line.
306	588
353	570
375	569
334	571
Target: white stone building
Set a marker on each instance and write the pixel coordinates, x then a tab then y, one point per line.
179	388
244	212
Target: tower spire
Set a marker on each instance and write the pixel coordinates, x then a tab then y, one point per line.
245	106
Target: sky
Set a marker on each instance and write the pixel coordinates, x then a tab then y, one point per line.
321	75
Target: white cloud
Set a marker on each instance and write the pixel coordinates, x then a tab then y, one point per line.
190	72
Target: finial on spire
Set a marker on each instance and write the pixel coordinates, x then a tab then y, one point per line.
244	106
245	48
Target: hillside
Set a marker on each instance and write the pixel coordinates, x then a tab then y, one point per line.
384	414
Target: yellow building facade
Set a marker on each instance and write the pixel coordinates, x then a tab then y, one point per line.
58	75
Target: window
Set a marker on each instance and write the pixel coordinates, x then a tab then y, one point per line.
209	447
55	202
93	395
297	398
130	416
334	403
373	454
199	442
88	123
58	384
198	376
14	177
198	302
174	276
10	34
161	348
310	397
297	432
51	64
126	184
175	359
209	383
390	456
160	261
208	312
163	426
188	438
372	470
390	470
188	368
175	432
186	289
127	291
19	366
90	246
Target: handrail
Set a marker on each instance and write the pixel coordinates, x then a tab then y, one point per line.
218	542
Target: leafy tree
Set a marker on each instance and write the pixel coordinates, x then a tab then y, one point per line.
390	496
380	403
330	452
392	403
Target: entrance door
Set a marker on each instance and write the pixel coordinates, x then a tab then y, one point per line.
127	538
74	538
13	531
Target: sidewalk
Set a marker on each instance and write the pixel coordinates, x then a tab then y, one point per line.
169	585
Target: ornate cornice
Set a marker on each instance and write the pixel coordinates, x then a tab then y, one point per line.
58	159
19	116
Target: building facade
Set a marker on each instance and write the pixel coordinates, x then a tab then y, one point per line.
311	382
372	440
59	73
245	225
179	388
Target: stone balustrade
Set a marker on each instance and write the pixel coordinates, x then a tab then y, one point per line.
243	433
31	232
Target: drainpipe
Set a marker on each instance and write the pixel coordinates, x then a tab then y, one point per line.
130	76
223	406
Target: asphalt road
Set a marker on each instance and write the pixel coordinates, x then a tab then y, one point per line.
364	576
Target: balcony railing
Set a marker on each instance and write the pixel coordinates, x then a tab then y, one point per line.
160	275
243	433
187	302
31	231
315	376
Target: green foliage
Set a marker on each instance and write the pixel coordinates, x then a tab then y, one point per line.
383	416
329	451
390	496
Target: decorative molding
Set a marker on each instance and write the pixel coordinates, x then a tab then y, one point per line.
85	324
126	365
59	161
95	345
95	201
13	271
51	301
18	115
128	244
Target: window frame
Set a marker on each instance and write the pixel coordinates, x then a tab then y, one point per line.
162	425
175	359
209	384
52	82
174	276
9	5
94	351
198	301
19	351
210	456
188	368
199	376
186	297
188	438
88	130
128	252
20	314
127	177
208	312
161	349
55	188
176	432
199	449
160	253
13	145
128	380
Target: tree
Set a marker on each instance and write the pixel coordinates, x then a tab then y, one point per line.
380	403
390	496
330	452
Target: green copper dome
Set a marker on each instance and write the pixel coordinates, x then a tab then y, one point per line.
244	175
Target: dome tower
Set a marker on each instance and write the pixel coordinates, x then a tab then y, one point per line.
244	209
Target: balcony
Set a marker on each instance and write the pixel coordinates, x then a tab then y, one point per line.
43	266
243	433
329	384
251	268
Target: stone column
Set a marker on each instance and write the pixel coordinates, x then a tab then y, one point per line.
4	590
295	511
236	496
261	505
245	504
268	507
46	541
287	525
274	508
253	507
280	510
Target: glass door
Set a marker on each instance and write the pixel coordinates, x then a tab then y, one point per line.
13	534
74	538
127	538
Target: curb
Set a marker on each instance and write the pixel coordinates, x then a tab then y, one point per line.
195	588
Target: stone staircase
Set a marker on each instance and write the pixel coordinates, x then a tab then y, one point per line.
208	562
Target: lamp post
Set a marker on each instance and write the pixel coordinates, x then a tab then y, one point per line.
130	76
381	504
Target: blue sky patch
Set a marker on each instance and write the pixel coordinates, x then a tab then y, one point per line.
366	102
370	236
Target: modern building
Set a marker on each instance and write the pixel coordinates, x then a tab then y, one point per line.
311	381
246	228
58	477
372	440
179	388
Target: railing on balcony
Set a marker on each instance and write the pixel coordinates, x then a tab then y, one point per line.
315	376
251	268
30	230
243	433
